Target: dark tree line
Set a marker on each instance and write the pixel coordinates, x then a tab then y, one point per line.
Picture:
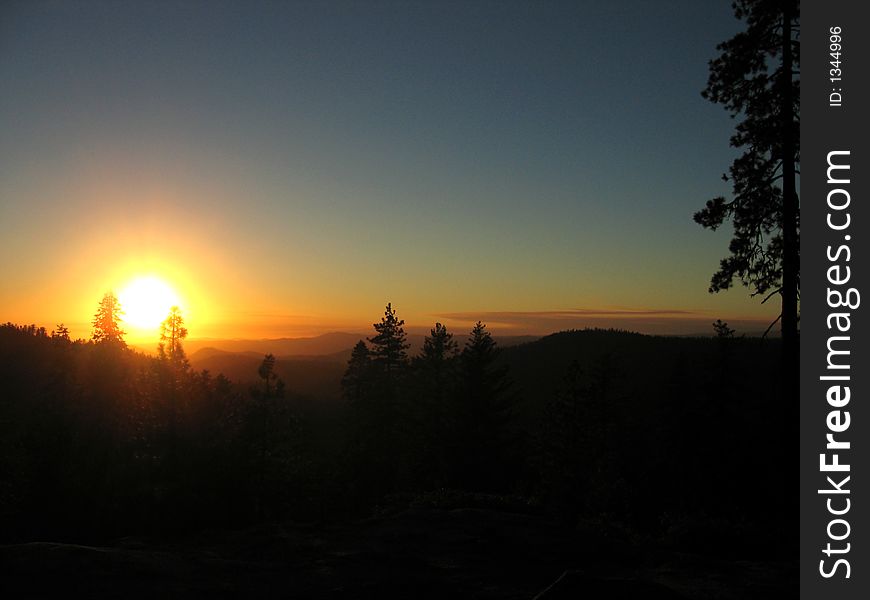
635	434
437	420
628	432
99	440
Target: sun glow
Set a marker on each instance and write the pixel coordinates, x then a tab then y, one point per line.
146	301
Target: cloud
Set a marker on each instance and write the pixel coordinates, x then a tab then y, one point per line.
654	321
568	313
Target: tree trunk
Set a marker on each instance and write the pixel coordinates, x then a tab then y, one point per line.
791	255
790	421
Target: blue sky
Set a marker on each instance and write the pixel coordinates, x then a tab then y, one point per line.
316	159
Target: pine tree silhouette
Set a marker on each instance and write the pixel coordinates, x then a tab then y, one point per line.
356	382
107	322
172	332
389	346
765	209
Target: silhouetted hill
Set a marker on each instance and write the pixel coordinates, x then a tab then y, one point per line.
634	363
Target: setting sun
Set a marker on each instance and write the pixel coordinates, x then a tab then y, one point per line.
146	302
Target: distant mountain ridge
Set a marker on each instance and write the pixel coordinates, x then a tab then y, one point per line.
322	345
537	366
309	366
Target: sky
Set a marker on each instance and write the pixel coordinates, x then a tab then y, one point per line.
287	168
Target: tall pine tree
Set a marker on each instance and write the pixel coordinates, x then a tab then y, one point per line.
389	347
172	332
356	382
434	385
107	322
482	413
436	359
757	79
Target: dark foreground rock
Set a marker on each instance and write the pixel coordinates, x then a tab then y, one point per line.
578	584
420	553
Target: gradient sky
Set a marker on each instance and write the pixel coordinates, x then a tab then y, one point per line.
288	167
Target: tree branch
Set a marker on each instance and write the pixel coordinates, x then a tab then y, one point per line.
769	327
771	295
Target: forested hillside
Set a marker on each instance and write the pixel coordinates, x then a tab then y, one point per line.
601	426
